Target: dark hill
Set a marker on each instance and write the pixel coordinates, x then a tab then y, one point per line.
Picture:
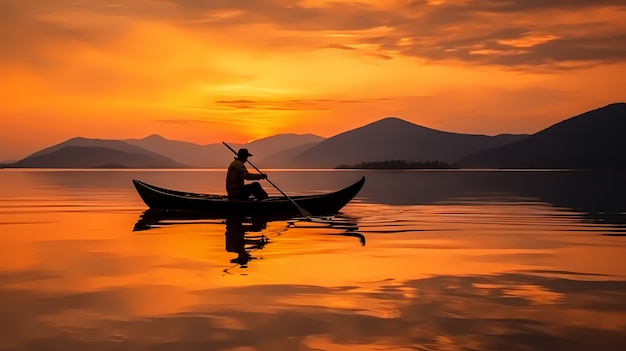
595	139
95	157
87	142
396	139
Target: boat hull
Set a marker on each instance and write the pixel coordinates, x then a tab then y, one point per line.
319	204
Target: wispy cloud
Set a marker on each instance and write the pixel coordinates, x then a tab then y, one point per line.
184	121
486	32
287	105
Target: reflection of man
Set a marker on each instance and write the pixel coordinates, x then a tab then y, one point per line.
237	174
236	237
235	240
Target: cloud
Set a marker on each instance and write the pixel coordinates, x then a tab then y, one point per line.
287	105
183	121
41	32
525	5
286	14
517	34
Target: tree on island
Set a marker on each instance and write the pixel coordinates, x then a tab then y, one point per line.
399	164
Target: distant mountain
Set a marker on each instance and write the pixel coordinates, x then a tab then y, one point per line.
103	143
190	154
595	139
84	152
395	139
155	151
217	155
95	157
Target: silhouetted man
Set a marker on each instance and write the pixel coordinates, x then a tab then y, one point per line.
237	174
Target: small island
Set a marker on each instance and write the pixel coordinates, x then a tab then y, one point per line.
400	164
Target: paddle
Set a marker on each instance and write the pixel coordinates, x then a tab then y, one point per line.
302	211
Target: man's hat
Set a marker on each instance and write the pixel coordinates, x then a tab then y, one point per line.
243	153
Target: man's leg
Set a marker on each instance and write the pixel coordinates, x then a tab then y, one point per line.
252	189
258	192
244	193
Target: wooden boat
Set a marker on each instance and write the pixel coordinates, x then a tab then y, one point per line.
319	204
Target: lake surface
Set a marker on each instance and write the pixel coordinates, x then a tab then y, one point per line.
420	260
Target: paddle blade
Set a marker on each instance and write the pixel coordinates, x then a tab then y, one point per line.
304	212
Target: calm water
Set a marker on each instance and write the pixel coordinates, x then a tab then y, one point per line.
450	260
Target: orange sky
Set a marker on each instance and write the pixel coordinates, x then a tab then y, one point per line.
207	71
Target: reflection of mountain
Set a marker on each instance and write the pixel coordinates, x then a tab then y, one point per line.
592	140
599	195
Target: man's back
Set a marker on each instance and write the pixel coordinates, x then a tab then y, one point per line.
237	174
235	177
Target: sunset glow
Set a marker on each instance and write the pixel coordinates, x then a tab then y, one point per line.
210	71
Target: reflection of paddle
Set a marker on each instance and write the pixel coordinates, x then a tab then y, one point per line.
302	211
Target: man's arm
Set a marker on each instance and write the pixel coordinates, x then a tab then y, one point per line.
255	176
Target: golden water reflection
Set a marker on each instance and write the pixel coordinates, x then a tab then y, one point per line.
245	234
473	273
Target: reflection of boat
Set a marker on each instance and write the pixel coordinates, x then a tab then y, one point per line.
156	218
238	226
329	203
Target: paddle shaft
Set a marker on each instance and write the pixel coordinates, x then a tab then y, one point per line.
302	211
